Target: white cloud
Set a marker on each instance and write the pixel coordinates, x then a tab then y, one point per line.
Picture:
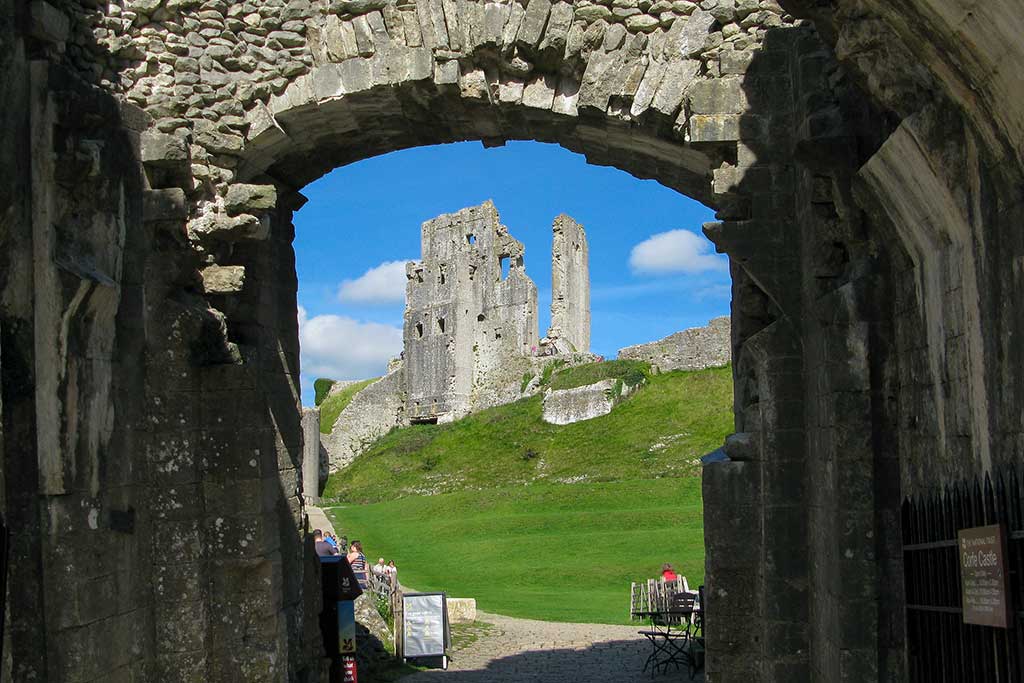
339	347
675	251
383	284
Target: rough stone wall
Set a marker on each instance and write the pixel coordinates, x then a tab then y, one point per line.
237	109
372	413
461	311
876	291
909	344
570	285
694	349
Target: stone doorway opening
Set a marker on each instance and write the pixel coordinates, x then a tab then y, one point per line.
532	226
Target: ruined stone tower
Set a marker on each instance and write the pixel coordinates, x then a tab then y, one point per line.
570	287
469	305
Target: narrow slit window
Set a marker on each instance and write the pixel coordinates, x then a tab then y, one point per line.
419	330
506	266
471	238
440	324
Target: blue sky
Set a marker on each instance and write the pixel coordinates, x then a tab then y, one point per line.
652	272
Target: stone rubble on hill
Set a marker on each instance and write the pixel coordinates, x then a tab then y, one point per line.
566	406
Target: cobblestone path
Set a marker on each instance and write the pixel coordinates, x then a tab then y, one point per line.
520	650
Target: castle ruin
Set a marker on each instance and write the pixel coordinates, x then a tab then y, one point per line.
471	328
469	303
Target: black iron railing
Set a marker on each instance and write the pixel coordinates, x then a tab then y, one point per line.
940	647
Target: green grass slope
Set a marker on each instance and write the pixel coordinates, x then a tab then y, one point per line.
659	432
560	552
320	388
331	406
630	371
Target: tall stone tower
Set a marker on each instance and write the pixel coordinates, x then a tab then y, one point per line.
570	287
462	311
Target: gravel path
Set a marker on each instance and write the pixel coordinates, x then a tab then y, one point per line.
514	650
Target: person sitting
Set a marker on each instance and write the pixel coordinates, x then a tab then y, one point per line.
667	573
323	548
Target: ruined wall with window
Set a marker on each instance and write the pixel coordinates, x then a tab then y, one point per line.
469	306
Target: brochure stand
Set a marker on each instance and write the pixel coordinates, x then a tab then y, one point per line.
426	636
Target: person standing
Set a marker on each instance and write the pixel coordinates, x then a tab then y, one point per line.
357	559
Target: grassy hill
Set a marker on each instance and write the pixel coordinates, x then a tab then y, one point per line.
544	521
659	432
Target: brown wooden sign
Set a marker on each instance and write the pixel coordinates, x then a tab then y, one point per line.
984	579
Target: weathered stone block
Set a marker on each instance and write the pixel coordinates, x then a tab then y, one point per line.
691	35
356	6
167	160
47	23
461	610
559	22
534	21
717	96
164	205
677	78
566	406
223	279
219	142
591	13
714	128
242	198
540	92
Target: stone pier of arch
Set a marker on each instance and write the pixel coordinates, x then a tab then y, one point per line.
864	159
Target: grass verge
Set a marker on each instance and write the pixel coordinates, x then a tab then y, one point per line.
558	552
331	406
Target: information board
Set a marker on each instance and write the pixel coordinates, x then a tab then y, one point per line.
424	625
984	576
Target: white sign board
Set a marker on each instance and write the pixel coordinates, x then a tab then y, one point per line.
424	625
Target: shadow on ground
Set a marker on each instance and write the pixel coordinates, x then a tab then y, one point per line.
616	661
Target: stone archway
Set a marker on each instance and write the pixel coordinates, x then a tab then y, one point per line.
723	138
874	301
